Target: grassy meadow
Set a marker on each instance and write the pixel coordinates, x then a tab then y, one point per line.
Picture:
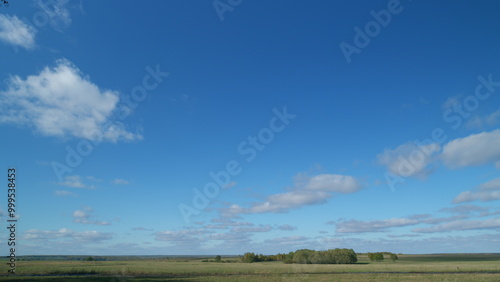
456	267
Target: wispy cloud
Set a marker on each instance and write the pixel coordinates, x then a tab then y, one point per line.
57	12
359	226
64	193
15	32
479	122
64	233
119	181
307	191
286	227
261	228
141	229
409	159
62	102
465	209
85	216
75	181
488	191
493	223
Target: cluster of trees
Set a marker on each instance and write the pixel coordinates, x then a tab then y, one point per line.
305	256
380	256
252	257
333	256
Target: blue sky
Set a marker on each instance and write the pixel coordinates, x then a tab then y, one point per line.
220	127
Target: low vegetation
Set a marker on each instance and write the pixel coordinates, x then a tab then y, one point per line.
440	267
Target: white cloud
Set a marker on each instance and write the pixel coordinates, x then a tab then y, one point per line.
307	191
357	226
262	228
460	225
473	150
75	181
62	102
287	227
290	200
85	217
215	226
119	181
78	236
333	183
488	191
480	122
192	238
16	32
63	193
464	209
409	159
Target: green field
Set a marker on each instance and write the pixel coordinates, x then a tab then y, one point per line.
456	267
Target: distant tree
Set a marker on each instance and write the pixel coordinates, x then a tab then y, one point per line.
249	257
218	258
371	256
394	257
89	259
379	256
376	256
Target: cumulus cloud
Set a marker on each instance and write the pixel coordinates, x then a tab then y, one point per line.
473	150
488	191
60	101
409	159
307	191
16	32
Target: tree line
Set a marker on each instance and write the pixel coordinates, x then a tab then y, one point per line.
306	256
